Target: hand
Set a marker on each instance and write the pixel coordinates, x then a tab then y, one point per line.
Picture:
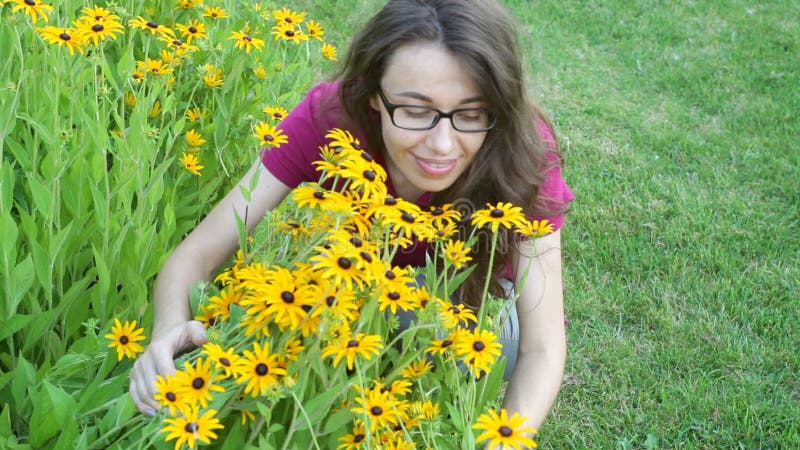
158	360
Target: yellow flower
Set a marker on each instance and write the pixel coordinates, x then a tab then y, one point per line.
99	30
68	37
288	32
194	114
215	13
269	135
260	72
379	408
536	228
152	26
33	8
275	112
479	348
502	214
168	393
130	99
194	139
197	382
417	368
192	427
503	431
213	76
191	163
246	41
288	17
329	52
259	369
454	315
154	66
187	4
315	30
356	439
155	110
348	346
456	253
193	29
124	338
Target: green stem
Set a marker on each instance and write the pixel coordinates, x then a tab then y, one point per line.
482	311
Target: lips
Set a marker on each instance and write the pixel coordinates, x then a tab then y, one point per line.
436	167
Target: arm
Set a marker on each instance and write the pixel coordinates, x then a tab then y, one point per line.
538	374
198	257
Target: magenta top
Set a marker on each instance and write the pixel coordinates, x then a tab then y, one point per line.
307	124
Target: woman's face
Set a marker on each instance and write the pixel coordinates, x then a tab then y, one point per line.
427	74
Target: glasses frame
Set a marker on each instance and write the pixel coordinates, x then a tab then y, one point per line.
391	107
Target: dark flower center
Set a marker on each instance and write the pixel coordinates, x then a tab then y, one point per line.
331	300
319	195
287	297
170	396
30	2
123	340
268	137
386	389
247	38
366	256
376	410
437	212
191	427
289	33
277	115
390	201
97	28
505	431
365	155
393	296
262	369
390	275
306	308
177	42
408	217
478	346
352	343
369	175
64	36
344	263
192	30
455	310
288	20
198	383
447	343
152	24
358	438
356	241
225	361
497	213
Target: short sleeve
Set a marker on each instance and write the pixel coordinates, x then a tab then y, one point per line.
554	196
305	126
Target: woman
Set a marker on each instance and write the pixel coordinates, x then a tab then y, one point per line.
435	90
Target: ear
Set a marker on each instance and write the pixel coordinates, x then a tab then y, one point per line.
375	102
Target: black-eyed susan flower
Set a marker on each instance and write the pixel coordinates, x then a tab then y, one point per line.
99	30
168	394
194	114
152	26
246	41
269	135
356	439
456	253
259	370
443	215
194	139
417	368
378	409
98	13
501	214
340	265
394	296
224	360
68	37
212	76
441	346
155	110
191	163
427	409
192	427
275	112
154	66
348	346
315	30
125	338
260	72
453	315
479	349
343	139
287	16
536	228
33	8
329	52
197	382
215	12
187	4
504	432
194	29
289	32
221	304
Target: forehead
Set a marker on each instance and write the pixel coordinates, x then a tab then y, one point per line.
429	69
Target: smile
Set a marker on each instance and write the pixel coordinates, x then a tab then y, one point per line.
436	167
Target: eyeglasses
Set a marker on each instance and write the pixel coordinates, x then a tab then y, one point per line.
418	118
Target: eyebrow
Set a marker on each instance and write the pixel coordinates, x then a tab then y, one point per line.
425	98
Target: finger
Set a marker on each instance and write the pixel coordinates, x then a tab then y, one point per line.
144	402
196	332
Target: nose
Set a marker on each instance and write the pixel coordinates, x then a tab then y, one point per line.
441	138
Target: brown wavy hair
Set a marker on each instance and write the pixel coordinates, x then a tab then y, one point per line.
509	167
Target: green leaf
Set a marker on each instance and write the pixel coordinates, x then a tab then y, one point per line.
316	409
8	241
52	410
5	422
21	281
24	379
337	421
14	324
42	197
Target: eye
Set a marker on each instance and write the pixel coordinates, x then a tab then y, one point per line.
416	113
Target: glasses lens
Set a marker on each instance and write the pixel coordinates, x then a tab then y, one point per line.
414	118
472	120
